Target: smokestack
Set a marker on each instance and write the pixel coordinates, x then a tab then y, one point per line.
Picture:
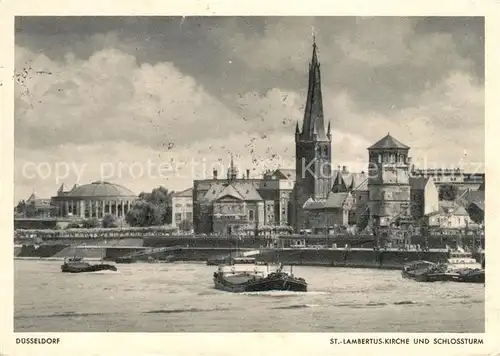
248	174
215	174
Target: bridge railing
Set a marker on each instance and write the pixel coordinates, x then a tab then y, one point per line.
95	233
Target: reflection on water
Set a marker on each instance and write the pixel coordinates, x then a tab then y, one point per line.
180	297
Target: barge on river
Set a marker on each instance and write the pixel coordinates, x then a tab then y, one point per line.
244	274
78	265
460	267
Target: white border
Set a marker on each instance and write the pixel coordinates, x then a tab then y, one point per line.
241	343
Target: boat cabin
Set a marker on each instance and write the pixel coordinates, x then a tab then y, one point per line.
461	257
243	260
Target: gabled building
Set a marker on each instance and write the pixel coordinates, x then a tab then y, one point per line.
333	211
450	216
39	207
357	185
229	205
451	176
182	207
424	197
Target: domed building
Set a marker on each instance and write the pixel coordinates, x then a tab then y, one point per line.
93	200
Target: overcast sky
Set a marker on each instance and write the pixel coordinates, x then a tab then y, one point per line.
101	92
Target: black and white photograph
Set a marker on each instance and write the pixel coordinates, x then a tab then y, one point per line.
249	174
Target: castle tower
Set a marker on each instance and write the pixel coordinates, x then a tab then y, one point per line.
388	181
312	148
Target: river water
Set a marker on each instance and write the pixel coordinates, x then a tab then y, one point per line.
180	297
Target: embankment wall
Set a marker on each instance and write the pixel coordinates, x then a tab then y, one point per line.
362	258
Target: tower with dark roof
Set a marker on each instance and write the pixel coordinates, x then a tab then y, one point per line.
232	172
312	148
388	181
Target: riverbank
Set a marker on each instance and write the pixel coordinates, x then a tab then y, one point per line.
325	257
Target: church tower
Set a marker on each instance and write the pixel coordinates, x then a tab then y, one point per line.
313	154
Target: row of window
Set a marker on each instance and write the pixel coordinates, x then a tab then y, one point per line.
178	217
189	205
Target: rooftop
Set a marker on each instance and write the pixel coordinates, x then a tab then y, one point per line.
388	142
100	189
186	193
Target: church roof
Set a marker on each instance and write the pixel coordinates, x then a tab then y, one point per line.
285	173
213	191
314	123
231	191
388	142
242	190
347	181
334	201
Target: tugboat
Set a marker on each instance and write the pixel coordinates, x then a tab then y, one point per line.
78	265
219	260
460	267
243	274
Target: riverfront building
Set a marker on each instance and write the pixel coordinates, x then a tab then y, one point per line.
232	204
446	176
316	197
182	207
93	200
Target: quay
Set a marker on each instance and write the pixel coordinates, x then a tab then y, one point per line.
299	250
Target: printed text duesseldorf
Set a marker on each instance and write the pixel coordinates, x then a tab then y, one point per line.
38	340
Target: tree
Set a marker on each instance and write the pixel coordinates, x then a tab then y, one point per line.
26	209
448	192
186	225
144	213
162	198
90	223
21	207
109	221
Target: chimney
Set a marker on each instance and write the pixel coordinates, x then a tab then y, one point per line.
248	174
215	174
344	169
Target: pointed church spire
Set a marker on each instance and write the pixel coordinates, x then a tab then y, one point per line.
313	114
232	172
297	130
314	60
